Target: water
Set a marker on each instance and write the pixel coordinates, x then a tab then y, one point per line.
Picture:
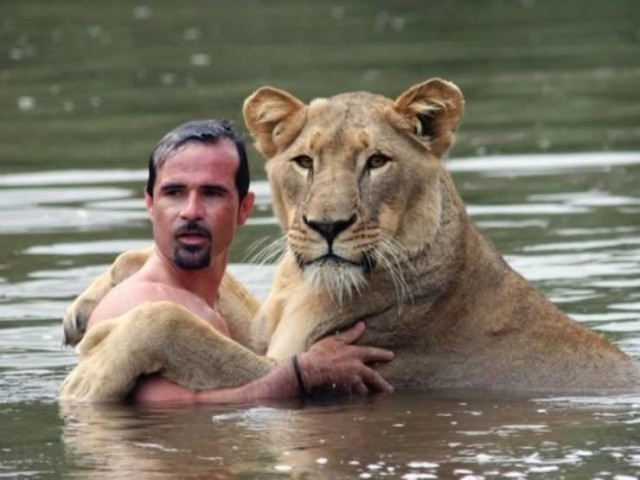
85	91
568	222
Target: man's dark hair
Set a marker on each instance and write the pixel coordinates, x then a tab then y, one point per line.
205	131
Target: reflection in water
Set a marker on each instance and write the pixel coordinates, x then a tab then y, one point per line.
575	234
402	435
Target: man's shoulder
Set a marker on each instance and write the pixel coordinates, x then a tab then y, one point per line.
129	294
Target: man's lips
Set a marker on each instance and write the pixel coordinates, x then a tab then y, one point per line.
193	234
193	238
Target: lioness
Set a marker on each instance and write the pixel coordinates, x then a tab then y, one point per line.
375	231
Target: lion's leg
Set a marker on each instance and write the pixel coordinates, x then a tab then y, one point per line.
163	338
74	322
105	371
199	357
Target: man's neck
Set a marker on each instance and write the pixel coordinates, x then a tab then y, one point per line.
203	282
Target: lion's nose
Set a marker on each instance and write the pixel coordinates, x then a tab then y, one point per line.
329	229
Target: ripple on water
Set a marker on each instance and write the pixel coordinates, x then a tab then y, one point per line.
576	265
546	164
87	248
73	177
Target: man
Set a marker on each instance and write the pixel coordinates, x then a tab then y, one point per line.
197	195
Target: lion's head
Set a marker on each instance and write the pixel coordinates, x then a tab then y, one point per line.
355	177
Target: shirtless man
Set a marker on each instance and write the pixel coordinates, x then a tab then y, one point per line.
197	195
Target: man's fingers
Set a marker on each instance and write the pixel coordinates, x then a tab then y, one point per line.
352	334
361	388
336	359
374	354
375	381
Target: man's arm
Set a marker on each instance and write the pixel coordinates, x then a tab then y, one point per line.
332	363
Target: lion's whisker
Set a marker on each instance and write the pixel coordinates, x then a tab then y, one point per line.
255	248
390	256
340	283
270	252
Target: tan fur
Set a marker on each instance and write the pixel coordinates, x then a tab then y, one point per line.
439	294
159	337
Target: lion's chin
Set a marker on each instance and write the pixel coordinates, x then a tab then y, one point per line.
341	280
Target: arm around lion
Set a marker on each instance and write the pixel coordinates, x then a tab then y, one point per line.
332	365
165	338
158	337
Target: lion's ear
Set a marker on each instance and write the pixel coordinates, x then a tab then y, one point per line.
435	108
274	118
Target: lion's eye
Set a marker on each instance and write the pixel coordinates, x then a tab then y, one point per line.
376	161
303	161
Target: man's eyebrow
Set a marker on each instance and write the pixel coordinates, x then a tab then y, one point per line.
171	186
214	186
215	189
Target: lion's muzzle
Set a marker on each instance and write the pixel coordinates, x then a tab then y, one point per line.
328	228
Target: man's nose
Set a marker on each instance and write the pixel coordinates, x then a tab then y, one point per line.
193	208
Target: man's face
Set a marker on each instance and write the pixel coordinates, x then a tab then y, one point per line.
195	207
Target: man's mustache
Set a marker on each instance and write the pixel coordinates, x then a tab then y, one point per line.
193	228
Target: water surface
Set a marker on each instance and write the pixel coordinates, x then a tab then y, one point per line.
567	222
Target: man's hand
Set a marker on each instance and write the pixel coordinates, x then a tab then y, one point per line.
334	364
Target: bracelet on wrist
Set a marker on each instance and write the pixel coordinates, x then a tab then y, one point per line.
296	368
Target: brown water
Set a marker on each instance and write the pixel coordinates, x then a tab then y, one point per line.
86	90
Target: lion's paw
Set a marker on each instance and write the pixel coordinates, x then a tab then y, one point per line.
109	365
74	322
93	380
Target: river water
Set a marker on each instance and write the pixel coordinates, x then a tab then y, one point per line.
567	222
547	160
